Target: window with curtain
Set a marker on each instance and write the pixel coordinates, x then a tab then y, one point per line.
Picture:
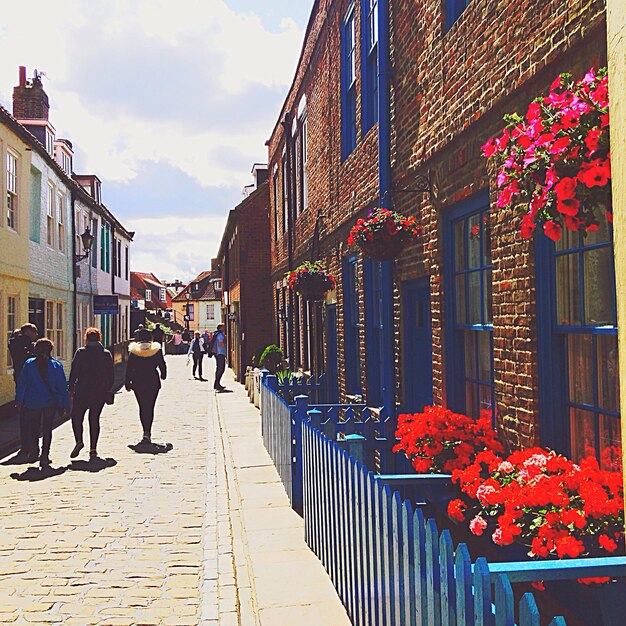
586	333
472	311
348	83
369	100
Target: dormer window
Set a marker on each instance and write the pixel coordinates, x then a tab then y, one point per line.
217	285
195	287
148	295
50	142
96	190
162	294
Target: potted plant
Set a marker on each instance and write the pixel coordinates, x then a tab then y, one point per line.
554	163
384	234
271	359
311	281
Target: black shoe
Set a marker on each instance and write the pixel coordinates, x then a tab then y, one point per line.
202	379
44	461
76	451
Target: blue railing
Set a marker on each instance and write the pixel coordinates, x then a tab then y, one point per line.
390	565
314	388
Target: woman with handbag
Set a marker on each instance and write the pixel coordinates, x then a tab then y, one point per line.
91	384
41	392
145	362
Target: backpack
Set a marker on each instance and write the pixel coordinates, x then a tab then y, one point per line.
211	347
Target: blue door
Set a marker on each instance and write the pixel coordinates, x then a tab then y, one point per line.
418	361
332	367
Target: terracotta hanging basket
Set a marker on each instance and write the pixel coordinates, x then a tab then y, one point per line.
384	249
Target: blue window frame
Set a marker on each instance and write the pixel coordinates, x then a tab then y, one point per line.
348	83
578	355
369	65
454	8
469	320
352	351
375	329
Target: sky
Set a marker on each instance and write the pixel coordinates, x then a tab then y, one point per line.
168	103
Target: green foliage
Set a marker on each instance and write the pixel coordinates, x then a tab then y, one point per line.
272	358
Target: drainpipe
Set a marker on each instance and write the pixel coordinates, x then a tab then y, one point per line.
384	195
286	124
74	271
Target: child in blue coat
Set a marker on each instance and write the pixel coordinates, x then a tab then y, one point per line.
41	391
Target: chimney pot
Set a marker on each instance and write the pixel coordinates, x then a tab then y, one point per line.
22	75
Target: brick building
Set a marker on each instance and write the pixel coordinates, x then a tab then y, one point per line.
472	316
244	260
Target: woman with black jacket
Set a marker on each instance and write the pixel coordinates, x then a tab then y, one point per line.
145	361
91	383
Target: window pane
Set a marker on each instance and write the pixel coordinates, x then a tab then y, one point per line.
580	368
471	401
474	297
582	431
470	353
473	239
600	236
568	290
486	240
487	302
569	239
608	374
486	403
484	355
459	244
610	442
599	287
461	313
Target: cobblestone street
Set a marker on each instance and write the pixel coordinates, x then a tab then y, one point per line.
200	535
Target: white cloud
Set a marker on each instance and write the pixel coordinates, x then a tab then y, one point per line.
191	85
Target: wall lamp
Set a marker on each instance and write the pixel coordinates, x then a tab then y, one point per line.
87	241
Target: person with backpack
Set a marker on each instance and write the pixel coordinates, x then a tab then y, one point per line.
41	392
91	386
22	348
196	350
158	334
217	347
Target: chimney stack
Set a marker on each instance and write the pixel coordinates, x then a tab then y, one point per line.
30	101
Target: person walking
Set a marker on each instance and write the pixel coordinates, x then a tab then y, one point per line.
21	348
145	361
158	334
206	338
41	392
90	385
218	344
178	342
196	350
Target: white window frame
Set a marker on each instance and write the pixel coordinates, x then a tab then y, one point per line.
148	295
60	198
11	164
12	312
162	294
50	216
210	311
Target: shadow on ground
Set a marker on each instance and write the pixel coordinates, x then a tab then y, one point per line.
93	465
35	474
151	448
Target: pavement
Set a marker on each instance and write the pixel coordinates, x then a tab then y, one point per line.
201	535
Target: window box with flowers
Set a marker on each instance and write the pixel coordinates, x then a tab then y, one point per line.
384	234
554	163
311	281
439	441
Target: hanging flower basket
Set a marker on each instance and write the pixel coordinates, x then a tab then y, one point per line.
554	163
310	281
384	234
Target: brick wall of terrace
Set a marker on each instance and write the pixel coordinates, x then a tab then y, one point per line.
450	93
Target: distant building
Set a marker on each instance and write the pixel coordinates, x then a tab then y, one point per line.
203	307
244	261
148	293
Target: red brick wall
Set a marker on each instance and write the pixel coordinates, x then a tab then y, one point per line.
449	93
